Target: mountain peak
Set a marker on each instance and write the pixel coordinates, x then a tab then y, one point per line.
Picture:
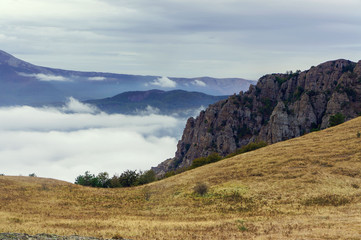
10	60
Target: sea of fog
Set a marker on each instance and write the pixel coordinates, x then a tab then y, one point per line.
64	142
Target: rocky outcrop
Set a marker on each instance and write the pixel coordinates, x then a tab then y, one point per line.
279	107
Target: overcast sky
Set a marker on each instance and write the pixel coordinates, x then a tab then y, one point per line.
179	38
190	38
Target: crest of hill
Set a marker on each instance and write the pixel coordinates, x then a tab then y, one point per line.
279	107
304	188
167	102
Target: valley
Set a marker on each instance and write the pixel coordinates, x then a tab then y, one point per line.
304	188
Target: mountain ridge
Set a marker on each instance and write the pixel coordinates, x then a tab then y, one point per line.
178	102
279	107
24	83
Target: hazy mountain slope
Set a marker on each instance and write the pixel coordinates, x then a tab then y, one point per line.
305	188
167	102
25	83
279	107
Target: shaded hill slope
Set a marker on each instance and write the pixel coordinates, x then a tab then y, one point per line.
305	188
279	107
167	102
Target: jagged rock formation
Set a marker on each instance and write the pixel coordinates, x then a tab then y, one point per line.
279	107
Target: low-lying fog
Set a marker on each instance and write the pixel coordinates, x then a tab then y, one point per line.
64	142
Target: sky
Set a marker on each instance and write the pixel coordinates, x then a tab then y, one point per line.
169	38
64	142
181	38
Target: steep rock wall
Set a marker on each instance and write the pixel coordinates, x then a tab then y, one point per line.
279	107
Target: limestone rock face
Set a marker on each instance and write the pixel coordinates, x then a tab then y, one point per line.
279	107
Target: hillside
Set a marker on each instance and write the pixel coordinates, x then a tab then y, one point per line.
279	107
167	102
304	188
24	83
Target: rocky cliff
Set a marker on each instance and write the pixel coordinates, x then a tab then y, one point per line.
279	107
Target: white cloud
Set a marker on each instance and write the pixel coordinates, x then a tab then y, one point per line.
149	110
74	106
52	142
96	78
164	82
199	83
46	77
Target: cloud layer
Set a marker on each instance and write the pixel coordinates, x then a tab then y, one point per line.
199	83
181	38
63	143
46	77
164	82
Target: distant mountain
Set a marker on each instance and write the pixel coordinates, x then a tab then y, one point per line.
25	83
167	102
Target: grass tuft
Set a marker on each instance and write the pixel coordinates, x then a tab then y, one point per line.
327	200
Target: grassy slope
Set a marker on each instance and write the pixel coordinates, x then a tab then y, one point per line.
304	188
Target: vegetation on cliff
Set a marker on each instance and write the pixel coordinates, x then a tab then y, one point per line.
279	107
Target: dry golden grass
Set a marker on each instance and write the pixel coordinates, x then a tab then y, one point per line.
304	188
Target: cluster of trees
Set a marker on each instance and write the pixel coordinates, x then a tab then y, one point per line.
131	178
128	178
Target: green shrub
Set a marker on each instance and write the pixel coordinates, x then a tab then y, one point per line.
336	119
214	157
247	148
267	106
241	226
358	134
280	80
297	95
169	174
201	189
315	127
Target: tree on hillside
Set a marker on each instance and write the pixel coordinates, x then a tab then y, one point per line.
128	178
88	180
103	179
146	177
